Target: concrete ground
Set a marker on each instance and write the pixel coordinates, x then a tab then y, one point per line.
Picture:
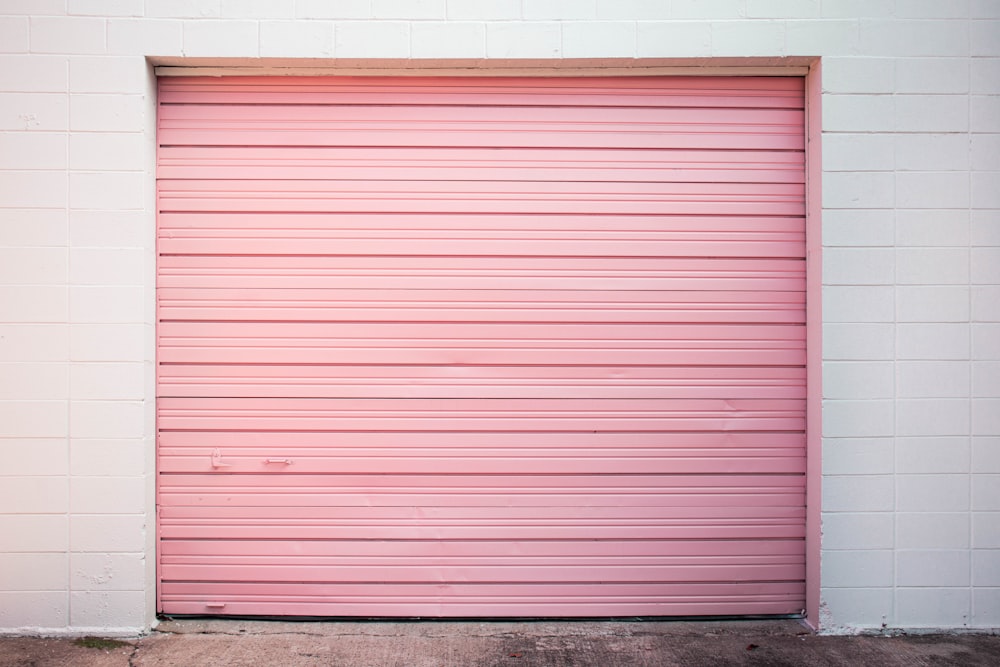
192	643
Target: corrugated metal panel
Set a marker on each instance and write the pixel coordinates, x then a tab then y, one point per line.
481	347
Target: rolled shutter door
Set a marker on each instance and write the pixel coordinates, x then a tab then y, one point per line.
481	347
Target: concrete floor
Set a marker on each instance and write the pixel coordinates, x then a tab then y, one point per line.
192	643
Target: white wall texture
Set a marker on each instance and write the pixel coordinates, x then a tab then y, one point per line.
911	270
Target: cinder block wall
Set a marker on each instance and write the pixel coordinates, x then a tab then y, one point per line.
911	270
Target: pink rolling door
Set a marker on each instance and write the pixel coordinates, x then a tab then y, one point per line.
481	347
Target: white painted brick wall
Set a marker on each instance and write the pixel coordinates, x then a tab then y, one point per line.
911	267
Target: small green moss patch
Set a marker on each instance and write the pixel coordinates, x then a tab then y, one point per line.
100	642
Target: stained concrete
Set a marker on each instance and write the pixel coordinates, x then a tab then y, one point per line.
191	643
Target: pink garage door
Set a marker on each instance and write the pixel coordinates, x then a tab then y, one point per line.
481	347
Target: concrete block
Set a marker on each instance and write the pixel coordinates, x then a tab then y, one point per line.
33	189
783	9
99	458
845	75
985	608
932	379
559	10
748	38
858	152
107	572
984	38
33	380
34	609
34	111
32	150
107	495
33	342
28	457
342	9
932	341
858	266
107	113
932	530
107	190
440	39
923	190
13	34
857	228
857	531
107	74
985	265
636	10
927	417
986	454
986	341
154	37
858	113
34	533
709	9
933	607
858	379
33	74
106	419
105	7
858	569
985	193
858	456
290	39
861	189
229	38
103	533
35	266
986	530
932	75
107	266
986	303
184	8
108	609
35	7
985	416
931	9
868	418
858	493
601	39
384	39
856	607
30	496
68	34
33	304
107	381
257	9
932	266
932	303
932	113
827	37
986	379
842	303
936	567
523	40
107	342
858	341
110	229
984	74
986	567
106	304
985	151
932	493
107	151
927	455
932	152
932	228
665	39
34	572
409	9
914	37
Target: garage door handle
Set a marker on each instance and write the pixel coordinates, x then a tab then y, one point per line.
217	460
287	462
